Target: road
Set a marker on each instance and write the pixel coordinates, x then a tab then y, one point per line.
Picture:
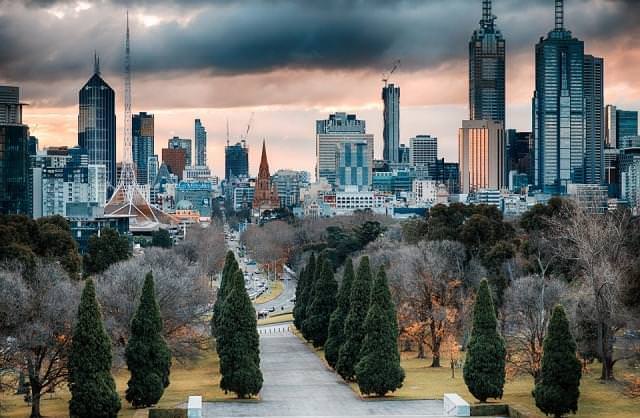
282	302
298	384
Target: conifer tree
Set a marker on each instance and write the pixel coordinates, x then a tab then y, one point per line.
239	348
338	317
359	301
93	390
230	266
148	357
310	292
558	389
379	370
484	368
297	307
323	305
303	300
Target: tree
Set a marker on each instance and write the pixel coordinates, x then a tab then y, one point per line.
37	311
557	391
147	354
298	316
310	292
359	301
239	347
335	338
323	305
303	300
93	390
104	250
378	370
161	238
484	368
228	271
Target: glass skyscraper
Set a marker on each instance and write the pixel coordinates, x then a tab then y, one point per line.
201	144
559	110
391	130
594	119
142	132
236	161
97	124
487	69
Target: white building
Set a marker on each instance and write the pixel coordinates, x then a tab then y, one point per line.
97	183
425	191
423	150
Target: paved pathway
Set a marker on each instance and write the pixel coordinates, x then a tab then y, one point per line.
297	384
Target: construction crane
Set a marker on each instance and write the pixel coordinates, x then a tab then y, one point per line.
246	134
387	75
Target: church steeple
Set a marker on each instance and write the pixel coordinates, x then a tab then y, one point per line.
263	172
266	194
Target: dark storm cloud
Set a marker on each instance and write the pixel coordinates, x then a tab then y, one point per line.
249	36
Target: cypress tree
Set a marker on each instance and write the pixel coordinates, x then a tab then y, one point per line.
323	305
359	301
310	291
93	390
239	347
484	368
338	317
148	357
378	370
558	390
297	307
302	301
230	266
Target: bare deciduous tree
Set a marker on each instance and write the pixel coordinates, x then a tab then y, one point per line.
206	247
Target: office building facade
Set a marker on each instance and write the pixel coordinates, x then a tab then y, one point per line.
354	164
423	150
200	136
619	124
481	147
142	143
182	143
97	124
236	161
487	69
391	129
593	79
174	158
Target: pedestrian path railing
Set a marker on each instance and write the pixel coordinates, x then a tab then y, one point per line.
279	330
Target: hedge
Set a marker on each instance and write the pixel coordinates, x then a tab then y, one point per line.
168	413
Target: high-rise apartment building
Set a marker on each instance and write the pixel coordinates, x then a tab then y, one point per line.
10	108
200	136
236	161
481	147
619	124
559	110
288	183
182	143
423	150
487	69
391	130
593	80
331	135
354	162
97	124
142	140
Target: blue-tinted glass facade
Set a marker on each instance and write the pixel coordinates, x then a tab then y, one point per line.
626	123
142	144
236	161
594	119
391	129
201	143
352	165
14	169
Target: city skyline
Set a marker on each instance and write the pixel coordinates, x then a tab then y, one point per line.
289	94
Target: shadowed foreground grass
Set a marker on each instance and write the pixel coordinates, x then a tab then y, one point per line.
200	377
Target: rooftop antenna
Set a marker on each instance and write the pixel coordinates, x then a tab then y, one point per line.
559	15
96	63
227	131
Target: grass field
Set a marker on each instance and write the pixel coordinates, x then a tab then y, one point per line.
275	289
276	319
198	378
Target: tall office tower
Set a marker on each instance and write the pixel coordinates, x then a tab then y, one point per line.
331	133
481	145
183	143
487	69
619	124
354	162
236	160
97	124
200	136
558	109
519	149
391	131
175	160
14	155
152	168
593	71
423	150
142	137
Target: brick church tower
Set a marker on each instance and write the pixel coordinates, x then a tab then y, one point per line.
266	194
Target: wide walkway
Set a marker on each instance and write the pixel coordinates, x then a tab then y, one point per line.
297	384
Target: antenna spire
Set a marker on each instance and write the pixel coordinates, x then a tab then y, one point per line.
488	19
559	15
96	63
227	131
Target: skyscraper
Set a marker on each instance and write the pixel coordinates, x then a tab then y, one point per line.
593	71
174	158
97	123
200	136
619	124
391	130
142	131
487	69
558	109
236	161
183	143
10	108
423	150
481	147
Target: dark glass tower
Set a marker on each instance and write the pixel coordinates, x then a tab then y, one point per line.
236	161
391	130
487	69
142	137
559	109
201	143
97	124
594	119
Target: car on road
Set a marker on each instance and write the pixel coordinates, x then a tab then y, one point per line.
272	309
263	314
292	300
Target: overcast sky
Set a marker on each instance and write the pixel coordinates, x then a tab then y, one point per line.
291	62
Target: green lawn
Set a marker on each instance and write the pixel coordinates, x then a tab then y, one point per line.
198	378
277	319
